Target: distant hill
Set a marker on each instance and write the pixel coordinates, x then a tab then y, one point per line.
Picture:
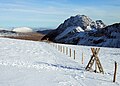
81	30
22	29
21	35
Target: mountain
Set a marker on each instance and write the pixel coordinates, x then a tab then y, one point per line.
81	21
82	30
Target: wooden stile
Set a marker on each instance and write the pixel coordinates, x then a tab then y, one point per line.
94	58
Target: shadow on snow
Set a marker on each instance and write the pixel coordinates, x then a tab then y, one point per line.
60	66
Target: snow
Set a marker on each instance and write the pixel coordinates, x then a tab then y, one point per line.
28	63
89	28
73	29
23	29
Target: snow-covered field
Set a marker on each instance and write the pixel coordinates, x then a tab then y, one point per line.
28	63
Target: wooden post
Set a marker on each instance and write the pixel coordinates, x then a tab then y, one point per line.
114	78
66	50
55	46
58	47
70	52
82	57
74	54
63	49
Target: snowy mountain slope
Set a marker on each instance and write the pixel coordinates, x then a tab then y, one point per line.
72	29
31	63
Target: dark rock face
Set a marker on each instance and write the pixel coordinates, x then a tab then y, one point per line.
51	36
105	37
112	31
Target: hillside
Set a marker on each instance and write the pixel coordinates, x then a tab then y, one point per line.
81	30
21	35
29	63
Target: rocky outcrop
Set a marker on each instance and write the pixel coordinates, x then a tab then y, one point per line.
100	24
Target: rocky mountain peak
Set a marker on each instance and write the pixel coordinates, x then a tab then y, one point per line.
100	24
78	20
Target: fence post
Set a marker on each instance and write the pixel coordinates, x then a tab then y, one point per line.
82	57
56	46
70	52
66	50
114	78
63	50
59	47
74	54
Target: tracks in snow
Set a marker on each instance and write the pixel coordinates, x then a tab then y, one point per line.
38	65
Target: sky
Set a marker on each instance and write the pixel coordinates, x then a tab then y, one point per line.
51	13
